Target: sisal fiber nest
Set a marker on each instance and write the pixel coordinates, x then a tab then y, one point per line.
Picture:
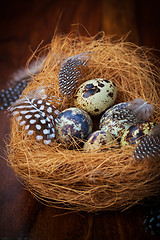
90	181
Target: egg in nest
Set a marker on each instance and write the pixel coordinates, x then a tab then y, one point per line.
97	141
73	124
116	119
121	116
135	132
95	96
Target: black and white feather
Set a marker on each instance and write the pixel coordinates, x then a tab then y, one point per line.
10	95
18	83
71	71
152	221
149	146
37	115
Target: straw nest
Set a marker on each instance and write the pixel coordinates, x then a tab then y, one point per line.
90	181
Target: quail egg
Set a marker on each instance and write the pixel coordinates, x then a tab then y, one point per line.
97	141
73	124
116	119
135	132
95	96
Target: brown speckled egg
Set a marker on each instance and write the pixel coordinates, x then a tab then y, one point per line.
73	124
134	133
116	120
95	96
97	141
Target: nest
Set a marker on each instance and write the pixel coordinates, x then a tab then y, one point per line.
90	181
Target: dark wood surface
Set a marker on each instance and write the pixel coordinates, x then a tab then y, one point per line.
23	25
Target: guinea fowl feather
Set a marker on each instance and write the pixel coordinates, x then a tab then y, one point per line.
20	80
71	71
149	146
37	114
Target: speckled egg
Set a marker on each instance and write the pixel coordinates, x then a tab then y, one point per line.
116	120
95	96
133	134
97	141
73	123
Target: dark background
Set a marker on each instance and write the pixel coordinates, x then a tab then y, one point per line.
23	26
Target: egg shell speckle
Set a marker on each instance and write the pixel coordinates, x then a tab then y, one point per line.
133	134
97	141
95	96
73	123
116	120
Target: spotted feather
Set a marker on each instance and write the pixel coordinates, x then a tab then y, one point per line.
10	95
18	83
38	117
71	71
149	146
152	221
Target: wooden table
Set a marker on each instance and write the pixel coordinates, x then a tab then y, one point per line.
23	25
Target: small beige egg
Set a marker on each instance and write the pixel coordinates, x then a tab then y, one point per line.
135	132
97	141
95	96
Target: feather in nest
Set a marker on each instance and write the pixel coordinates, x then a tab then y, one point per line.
71	71
37	114
18	83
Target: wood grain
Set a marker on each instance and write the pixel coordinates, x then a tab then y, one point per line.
24	25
